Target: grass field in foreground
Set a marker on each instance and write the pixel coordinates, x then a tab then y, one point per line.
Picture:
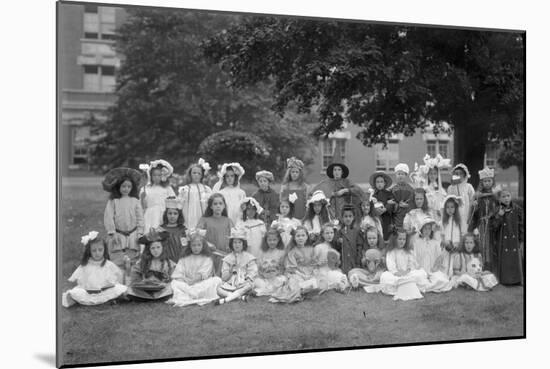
140	331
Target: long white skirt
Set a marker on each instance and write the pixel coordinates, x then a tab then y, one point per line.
81	296
426	282
200	293
266	287
152	217
483	283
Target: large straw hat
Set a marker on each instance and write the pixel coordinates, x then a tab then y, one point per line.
115	175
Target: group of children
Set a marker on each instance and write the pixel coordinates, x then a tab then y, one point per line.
197	245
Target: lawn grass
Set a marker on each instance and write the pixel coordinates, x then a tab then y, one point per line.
140	331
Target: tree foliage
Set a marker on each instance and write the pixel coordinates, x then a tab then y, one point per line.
169	98
386	79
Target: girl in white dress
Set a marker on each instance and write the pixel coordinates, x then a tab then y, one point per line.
98	279
270	264
239	270
194	195
369	214
317	214
154	194
452	229
401	266
426	249
285	221
255	227
428	176
193	280
328	276
415	216
461	188
229	186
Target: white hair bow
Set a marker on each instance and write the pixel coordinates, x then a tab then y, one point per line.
204	164
89	237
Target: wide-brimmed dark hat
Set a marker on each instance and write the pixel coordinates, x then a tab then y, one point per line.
345	170
154	235
387	179
337	162
115	175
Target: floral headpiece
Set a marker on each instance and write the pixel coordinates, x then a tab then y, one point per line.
196	232
237	168
293	162
464	168
265	174
419	176
486	173
92	235
455	198
238	233
317	196
165	172
173	203
437	162
204	164
253	202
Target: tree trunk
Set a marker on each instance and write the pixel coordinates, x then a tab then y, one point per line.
470	138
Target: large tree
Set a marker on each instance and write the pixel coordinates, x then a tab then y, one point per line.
384	78
169	98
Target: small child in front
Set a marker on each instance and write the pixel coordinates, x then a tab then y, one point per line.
270	264
239	270
98	279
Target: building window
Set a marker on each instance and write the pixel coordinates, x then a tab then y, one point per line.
99	22
435	147
80	145
491	154
387	157
99	78
329	148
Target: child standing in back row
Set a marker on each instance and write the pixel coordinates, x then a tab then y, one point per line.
266	197
155	192
461	188
229	185
123	216
507	225
380	182
484	205
194	195
294	183
403	194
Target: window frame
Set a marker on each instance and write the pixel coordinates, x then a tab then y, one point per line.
388	166
99	76
333	143
75	147
99	34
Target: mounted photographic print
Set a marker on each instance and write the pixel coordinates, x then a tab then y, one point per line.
240	184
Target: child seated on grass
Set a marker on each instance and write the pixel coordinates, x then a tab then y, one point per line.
98	279
193	280
239	270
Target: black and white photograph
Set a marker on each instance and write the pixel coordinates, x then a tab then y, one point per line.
241	184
